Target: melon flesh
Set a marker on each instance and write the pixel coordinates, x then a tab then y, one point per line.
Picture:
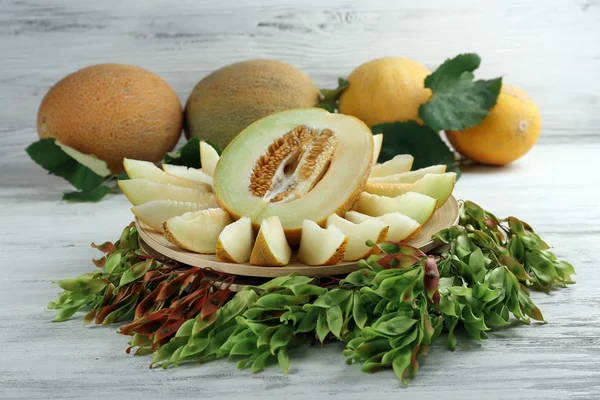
197	231
190	174
397	165
320	246
293	188
140	191
137	169
271	248
401	227
208	158
154	213
438	186
411	176
358	234
415	205
377	142
236	241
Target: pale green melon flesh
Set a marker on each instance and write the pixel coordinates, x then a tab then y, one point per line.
438	186
156	212
411	176
358	234
140	191
318	245
415	205
400	226
397	165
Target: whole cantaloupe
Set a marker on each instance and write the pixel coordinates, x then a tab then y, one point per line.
229	99
385	90
113	111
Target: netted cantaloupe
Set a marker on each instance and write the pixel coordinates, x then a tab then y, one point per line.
113	111
297	165
231	98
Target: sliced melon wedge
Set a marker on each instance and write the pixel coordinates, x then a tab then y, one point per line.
271	248
140	191
358	234
438	186
415	205
208	158
137	169
236	241
320	246
397	165
411	176
197	231
377	142
297	164
154	213
190	174
401	227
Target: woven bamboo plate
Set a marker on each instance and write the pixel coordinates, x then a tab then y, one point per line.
445	217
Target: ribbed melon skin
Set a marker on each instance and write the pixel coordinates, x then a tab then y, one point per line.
113	111
231	98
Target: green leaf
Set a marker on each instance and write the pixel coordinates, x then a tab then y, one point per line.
309	320
188	155
93	195
423	143
458	102
329	97
358	312
284	360
401	363
84	172
332	298
395	326
335	320
244	347
322	326
281	338
259	364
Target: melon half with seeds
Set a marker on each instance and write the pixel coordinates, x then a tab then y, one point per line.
358	234
154	213
296	165
320	246
197	231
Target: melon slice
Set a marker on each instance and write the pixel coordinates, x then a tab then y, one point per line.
358	234
236	241
154	213
197	231
415	205
401	227
190	174
137	169
140	191
271	248
320	246
438	186
296	164
377	142
208	158
397	165
411	176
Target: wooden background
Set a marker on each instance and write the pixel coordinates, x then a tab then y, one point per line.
550	48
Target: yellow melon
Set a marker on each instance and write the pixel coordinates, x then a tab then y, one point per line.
113	111
233	97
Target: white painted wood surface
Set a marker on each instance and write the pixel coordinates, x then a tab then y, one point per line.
549	48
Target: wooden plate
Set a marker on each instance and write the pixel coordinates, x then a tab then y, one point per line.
445	217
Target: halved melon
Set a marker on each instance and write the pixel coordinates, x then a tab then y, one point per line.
411	176
320	246
358	234
438	186
197	231
296	164
140	191
137	169
397	165
236	241
190	174
415	205
401	227
154	213
377	142
208	158
271	248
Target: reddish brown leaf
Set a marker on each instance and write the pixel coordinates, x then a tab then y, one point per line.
149	303
106	247
214	302
99	263
175	285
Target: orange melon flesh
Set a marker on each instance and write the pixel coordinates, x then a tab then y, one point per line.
438	186
335	191
415	205
411	176
320	246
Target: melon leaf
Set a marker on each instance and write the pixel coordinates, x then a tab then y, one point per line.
93	195
329	97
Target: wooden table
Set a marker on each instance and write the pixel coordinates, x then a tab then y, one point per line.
549	49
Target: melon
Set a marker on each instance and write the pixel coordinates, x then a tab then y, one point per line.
113	111
400	227
358	234
197	231
297	165
377	142
190	174
271	248
397	165
209	158
320	246
137	169
140	191
231	98
438	186
236	241
415	205
411	176
154	213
